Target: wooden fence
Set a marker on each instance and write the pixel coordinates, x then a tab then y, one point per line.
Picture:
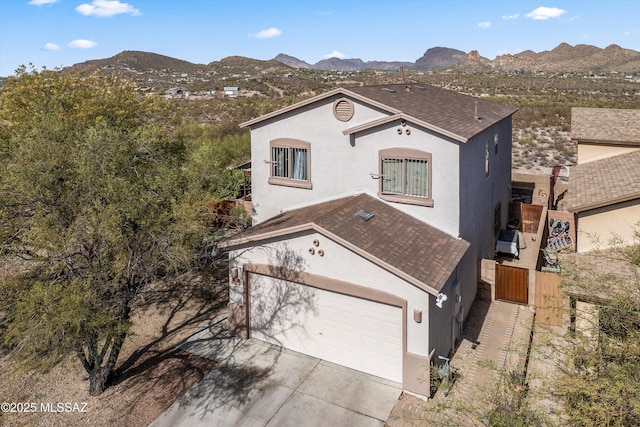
549	307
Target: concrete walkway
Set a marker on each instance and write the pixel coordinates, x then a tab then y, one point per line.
258	384
495	339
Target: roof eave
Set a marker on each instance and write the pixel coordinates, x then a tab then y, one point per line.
580	140
603	203
248	240
315	99
403	275
295	106
244	240
401	116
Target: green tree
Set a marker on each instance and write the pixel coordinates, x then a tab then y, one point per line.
93	207
600	381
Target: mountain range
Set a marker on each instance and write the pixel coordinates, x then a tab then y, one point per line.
579	58
563	58
433	59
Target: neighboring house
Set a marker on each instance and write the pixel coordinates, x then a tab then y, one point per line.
604	187
231	90
372	209
604	132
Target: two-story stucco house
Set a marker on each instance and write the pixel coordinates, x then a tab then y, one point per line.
372	207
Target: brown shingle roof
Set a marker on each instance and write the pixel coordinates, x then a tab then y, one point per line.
460	114
604	182
605	125
454	114
392	239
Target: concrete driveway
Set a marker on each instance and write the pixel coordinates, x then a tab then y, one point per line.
258	384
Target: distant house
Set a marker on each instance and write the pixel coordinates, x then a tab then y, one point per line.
231	91
174	92
372	208
604	187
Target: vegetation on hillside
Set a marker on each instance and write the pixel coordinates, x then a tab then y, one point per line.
103	192
600	381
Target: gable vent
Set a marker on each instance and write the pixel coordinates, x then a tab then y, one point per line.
343	109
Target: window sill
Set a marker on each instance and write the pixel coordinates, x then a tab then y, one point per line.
290	183
408	200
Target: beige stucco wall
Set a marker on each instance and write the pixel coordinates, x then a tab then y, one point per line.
424	340
597	227
588	152
341	264
341	165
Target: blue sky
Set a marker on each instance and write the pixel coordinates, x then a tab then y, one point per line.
55	33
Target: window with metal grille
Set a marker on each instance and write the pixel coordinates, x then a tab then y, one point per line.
290	163
405	176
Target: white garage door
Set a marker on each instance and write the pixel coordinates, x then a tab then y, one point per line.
353	332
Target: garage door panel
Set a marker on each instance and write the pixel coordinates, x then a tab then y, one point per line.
349	320
370	343
354	332
389	331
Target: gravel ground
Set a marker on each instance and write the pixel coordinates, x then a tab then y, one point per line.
153	373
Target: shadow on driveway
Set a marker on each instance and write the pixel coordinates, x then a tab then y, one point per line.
259	384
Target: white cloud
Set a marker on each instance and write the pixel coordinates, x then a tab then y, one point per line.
82	44
51	46
485	24
334	54
514	16
42	2
543	13
266	34
107	8
627	33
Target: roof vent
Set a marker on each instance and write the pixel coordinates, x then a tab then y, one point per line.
419	87
366	216
386	89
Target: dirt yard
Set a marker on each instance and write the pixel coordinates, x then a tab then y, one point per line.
152	373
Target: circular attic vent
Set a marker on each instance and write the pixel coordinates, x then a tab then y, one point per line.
343	109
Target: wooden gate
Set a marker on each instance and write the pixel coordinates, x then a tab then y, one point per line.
512	284
531	215
549	307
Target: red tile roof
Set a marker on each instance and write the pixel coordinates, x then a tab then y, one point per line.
398	242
